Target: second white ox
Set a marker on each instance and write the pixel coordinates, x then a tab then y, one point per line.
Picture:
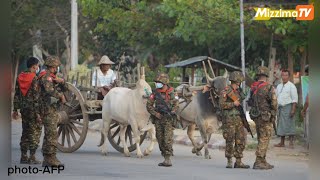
128	107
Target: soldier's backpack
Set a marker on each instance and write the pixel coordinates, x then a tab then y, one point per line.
253	101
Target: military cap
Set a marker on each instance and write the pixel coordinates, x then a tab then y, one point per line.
262	70
52	61
162	77
236	76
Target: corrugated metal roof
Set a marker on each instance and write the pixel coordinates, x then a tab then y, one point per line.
187	62
196	60
191	62
225	64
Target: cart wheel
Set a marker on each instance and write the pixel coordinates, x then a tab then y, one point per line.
114	137
73	121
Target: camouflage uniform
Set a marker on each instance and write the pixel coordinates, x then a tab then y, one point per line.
164	126
233	129
265	101
50	96
29	109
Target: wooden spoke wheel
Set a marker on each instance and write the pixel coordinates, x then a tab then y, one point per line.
114	137
73	121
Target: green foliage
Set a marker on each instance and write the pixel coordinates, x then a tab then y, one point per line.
172	72
164	28
28	17
82	71
298	117
160	29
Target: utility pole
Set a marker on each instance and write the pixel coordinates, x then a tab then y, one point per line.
242	41
242	50
74	34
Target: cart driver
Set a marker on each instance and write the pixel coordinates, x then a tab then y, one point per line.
105	77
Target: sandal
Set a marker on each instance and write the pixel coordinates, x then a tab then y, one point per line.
279	145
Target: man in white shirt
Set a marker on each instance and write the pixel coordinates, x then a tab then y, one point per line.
287	101
104	78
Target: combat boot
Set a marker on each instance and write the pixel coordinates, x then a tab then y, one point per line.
229	163
50	160
32	158
56	159
166	162
239	164
24	157
259	164
269	166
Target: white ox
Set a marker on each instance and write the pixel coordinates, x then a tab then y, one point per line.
128	107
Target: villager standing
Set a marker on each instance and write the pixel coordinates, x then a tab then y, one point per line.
287	101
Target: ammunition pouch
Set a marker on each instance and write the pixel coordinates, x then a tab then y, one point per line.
47	103
232	112
153	119
175	122
53	100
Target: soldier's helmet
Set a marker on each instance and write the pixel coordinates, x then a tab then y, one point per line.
52	61
262	70
162	77
236	76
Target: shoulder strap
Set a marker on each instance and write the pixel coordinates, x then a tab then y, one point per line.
170	89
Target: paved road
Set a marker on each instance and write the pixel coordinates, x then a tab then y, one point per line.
88	163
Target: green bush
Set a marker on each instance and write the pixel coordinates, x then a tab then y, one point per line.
84	74
152	73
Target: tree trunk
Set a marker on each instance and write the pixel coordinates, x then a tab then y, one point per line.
272	61
68	60
210	51
272	57
152	62
57	48
302	73
68	47
290	63
14	77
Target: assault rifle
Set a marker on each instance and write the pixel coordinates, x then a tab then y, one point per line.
244	119
232	96
164	110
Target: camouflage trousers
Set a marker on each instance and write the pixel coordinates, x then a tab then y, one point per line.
264	132
164	135
31	131
50	122
234	134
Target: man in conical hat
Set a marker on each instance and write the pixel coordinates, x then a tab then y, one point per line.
104	78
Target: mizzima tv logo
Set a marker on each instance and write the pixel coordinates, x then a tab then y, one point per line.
302	13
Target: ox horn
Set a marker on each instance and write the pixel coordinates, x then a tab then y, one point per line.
226	73
210	79
143	76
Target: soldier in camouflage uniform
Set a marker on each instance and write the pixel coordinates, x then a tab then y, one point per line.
233	129
26	99
263	112
51	97
162	106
